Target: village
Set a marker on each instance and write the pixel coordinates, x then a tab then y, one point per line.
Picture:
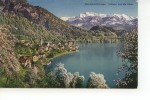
45	52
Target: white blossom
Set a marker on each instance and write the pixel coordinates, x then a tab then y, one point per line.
66	78
97	81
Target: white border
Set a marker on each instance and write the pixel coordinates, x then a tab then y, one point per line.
83	94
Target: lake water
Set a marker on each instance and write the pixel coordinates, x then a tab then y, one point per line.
92	57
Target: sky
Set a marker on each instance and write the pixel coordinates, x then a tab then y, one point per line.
69	8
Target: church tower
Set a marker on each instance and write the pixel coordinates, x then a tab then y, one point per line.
41	42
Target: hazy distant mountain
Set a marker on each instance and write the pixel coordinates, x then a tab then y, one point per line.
89	19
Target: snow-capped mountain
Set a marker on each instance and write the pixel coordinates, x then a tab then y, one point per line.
89	19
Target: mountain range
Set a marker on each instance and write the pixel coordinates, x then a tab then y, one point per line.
88	20
40	16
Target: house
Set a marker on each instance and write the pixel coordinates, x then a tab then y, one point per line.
62	47
71	43
77	47
45	44
28	44
23	59
66	44
44	47
53	45
41	56
48	44
40	49
35	58
26	61
22	41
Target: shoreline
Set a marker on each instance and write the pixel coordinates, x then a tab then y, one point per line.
59	55
64	53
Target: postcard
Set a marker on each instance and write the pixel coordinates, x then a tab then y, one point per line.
69	44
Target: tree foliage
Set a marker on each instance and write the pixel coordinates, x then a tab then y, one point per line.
66	79
129	54
96	81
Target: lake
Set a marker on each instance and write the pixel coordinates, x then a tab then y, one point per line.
92	57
